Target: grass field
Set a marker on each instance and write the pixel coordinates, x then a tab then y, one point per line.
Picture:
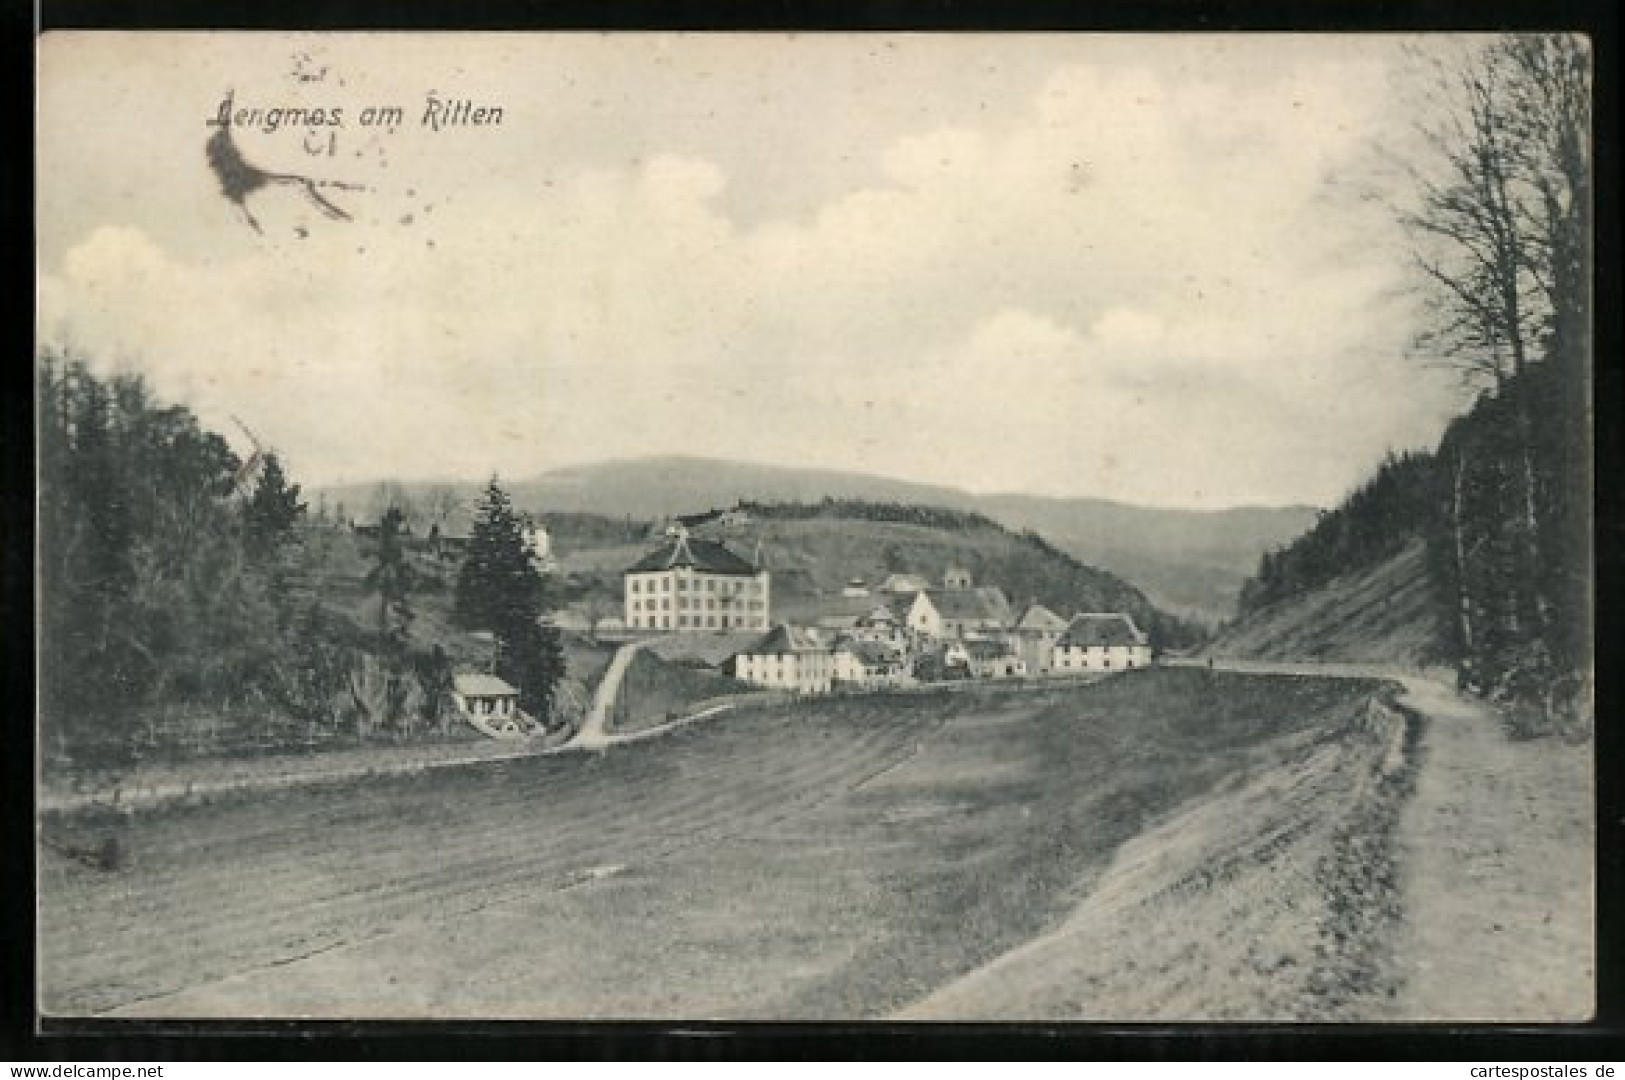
834	859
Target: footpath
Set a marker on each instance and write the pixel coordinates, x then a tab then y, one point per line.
1323	893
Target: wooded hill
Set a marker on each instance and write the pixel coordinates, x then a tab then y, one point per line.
819	546
814	549
1501	230
1188	561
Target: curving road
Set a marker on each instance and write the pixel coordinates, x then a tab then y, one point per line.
594	732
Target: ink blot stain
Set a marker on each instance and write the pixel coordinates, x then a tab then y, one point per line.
239	178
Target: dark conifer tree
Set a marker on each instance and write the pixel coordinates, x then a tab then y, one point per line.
392	579
272	511
499	589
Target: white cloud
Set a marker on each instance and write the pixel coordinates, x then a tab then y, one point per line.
1130	285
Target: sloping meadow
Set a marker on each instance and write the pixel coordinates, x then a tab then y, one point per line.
836	858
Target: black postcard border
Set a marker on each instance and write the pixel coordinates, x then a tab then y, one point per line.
24	1037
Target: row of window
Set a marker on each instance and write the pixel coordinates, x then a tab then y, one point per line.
1093	648
683	604
778	659
711	585
1106	662
696	622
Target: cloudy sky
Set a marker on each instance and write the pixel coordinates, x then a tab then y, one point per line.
1132	267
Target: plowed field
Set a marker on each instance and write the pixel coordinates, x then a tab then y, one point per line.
836	859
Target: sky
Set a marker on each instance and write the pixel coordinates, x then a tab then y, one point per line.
1133	267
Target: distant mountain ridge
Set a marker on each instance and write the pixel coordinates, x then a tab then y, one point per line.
1192	562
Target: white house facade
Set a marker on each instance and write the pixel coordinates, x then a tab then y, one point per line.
688	585
940	614
1105	641
788	658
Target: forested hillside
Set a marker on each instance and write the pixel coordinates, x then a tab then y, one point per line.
190	603
1397	505
1501	228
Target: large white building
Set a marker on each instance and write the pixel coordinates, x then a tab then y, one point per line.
688	585
1105	641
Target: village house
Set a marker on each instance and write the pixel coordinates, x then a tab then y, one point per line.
788	658
939	614
836	627
689	585
539	545
855	589
1034	637
490	704
1104	641
709	522
867	663
956	578
903	584
994	660
882	626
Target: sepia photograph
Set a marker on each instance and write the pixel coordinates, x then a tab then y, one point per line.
1033	528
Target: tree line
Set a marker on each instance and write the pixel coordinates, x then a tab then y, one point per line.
182	595
899	513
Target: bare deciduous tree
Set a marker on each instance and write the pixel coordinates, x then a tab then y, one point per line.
1500	230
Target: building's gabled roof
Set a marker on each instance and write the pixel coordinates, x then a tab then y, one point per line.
479	684
1101	628
987	650
1037	617
880	614
903	583
959	605
706	555
997	603
785	638
871	653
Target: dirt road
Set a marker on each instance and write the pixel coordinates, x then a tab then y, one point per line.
1496	852
594	731
1441	877
1496	859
